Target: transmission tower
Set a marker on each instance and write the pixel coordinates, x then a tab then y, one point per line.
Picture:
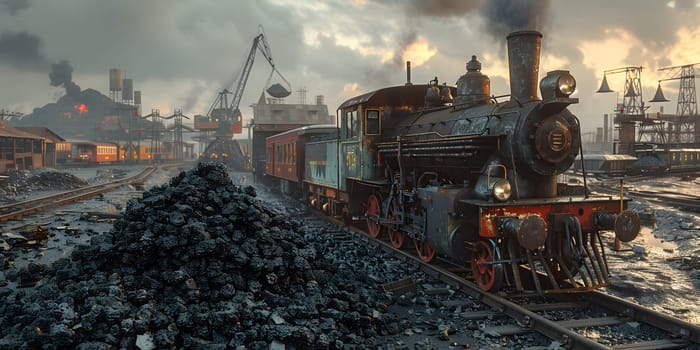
686	122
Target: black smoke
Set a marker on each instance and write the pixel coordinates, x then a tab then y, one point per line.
505	16
442	8
13	6
62	75
22	50
407	39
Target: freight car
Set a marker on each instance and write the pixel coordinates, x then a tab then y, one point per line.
605	165
662	158
470	178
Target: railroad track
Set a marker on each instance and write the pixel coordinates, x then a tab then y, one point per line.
572	320
527	317
674	199
19	209
569	319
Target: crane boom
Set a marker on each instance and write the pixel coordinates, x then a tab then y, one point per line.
259	43
225	120
220	109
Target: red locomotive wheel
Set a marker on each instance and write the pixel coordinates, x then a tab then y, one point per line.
396	236
425	251
374	211
488	276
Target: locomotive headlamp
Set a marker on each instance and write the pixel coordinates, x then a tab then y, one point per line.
556	88
566	84
501	190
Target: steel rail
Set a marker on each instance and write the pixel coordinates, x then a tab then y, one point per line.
20	209
680	333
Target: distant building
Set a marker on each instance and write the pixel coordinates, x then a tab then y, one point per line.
51	140
19	149
272	116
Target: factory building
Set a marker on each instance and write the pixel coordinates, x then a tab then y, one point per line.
51	140
19	149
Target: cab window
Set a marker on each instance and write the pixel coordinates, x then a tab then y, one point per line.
372	125
351	124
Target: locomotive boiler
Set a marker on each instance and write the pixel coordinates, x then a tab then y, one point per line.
463	174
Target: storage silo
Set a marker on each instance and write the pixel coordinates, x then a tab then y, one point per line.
115	79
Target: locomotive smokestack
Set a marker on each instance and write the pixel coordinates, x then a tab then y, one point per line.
524	64
408	73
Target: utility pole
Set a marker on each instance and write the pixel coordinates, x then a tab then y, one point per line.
4	114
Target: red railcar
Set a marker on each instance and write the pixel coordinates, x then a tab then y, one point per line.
285	152
87	152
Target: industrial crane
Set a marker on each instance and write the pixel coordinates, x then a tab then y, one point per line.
225	119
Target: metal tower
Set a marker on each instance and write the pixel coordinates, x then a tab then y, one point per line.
178	144
686	122
632	111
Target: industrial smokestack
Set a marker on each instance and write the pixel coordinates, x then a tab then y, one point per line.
408	73
524	64
128	89
606	128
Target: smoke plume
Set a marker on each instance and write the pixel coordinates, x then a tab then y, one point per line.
442	8
62	74
506	16
22	50
13	6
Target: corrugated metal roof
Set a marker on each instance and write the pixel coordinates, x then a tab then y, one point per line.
8	131
43	132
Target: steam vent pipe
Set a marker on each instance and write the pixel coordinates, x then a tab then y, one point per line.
524	64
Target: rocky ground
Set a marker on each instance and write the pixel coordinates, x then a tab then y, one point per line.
203	261
20	183
661	268
199	262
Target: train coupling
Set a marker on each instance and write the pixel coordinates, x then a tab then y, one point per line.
626	224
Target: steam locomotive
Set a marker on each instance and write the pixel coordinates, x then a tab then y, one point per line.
470	178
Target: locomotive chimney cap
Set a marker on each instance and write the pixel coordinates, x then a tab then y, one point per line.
524	32
474	65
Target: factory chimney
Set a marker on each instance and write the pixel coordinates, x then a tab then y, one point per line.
408	73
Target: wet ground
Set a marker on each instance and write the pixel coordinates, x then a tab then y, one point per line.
78	222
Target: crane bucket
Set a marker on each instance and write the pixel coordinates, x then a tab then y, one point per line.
278	91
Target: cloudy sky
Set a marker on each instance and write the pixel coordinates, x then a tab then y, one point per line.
181	52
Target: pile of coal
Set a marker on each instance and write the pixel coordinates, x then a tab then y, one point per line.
200	263
18	182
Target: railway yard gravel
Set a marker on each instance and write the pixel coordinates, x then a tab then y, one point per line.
203	260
